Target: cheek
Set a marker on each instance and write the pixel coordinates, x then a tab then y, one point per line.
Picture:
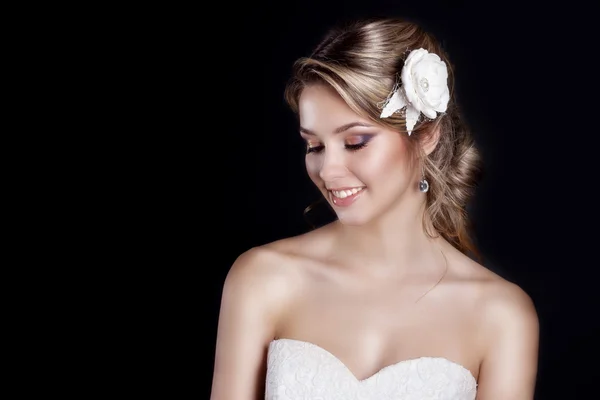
382	164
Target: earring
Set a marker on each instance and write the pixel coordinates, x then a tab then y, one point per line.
423	184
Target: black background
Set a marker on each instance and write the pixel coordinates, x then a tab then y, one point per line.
525	72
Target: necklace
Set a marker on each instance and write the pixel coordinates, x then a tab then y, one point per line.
439	280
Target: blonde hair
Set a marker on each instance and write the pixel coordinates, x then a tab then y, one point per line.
362	62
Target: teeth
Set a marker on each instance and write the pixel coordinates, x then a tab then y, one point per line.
342	194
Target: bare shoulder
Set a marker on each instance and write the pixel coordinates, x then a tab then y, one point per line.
506	306
508	332
502	301
503	308
255	265
261	273
257	291
272	272
493	292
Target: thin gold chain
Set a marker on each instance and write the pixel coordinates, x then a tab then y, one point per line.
439	280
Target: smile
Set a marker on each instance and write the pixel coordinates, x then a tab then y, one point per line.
345	197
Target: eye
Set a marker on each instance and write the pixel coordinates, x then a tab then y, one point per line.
314	148
353	144
357	143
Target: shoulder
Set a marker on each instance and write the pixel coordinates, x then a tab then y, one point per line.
509	337
506	315
259	272
274	270
507	307
499	304
507	333
270	272
257	292
501	301
494	294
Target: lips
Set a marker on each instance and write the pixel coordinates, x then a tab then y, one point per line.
345	197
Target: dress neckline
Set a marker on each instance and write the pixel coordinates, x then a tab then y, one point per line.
396	364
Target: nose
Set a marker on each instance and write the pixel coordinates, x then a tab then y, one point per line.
333	166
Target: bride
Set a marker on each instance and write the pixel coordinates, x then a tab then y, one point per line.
387	301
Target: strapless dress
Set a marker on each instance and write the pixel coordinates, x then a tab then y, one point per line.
298	370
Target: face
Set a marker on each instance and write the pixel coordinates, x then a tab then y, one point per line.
363	169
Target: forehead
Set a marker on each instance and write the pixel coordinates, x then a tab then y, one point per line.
322	110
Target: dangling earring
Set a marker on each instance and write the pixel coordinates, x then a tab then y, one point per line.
423	184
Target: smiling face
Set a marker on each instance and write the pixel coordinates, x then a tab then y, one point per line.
364	170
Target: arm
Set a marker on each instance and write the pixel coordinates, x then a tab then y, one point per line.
509	367
252	297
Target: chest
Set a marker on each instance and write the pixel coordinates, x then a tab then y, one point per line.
367	330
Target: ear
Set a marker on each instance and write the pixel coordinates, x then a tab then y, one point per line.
430	140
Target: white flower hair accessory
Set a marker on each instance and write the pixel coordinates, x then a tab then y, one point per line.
424	88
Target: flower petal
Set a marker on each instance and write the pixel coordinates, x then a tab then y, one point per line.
444	99
395	103
408	85
429	112
412	115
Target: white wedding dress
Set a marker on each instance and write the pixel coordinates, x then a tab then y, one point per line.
298	370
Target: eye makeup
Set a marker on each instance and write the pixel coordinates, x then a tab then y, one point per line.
314	149
353	143
358	142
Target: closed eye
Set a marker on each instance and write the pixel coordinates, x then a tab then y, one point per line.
314	149
358	146
348	146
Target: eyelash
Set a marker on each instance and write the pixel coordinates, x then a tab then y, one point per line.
350	147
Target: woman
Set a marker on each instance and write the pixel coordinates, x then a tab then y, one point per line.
386	302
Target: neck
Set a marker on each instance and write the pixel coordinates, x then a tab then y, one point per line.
396	240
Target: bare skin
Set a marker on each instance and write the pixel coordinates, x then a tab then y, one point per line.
352	286
301	288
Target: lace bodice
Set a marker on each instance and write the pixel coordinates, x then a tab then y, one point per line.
298	370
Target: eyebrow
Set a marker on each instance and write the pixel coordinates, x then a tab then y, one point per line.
341	129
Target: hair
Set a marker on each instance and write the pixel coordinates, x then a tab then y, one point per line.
362	60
